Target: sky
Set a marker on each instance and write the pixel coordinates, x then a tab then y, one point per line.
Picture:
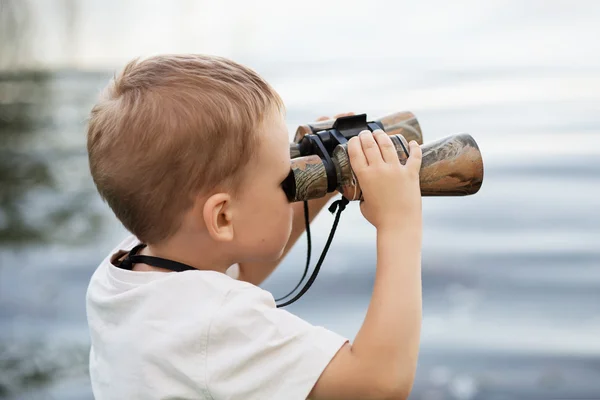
460	35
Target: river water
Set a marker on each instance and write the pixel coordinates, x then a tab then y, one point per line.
511	275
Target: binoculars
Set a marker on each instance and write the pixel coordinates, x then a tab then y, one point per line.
451	166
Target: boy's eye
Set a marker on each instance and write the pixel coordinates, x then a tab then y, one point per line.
289	186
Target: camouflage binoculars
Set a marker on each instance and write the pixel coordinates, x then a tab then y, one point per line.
451	166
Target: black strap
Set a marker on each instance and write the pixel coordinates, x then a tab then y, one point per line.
308	252
133	258
339	205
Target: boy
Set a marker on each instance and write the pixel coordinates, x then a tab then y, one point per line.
189	151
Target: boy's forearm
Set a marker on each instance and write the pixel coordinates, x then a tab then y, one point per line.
256	273
389	337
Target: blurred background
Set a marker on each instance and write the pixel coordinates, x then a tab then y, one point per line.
511	275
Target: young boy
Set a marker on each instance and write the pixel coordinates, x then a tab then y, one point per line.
189	152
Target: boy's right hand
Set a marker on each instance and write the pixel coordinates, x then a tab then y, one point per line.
391	191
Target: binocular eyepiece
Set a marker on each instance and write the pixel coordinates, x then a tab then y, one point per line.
451	166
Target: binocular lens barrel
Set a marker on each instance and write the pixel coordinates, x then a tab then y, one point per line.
404	123
451	166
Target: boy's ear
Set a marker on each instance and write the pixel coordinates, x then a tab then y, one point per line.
217	215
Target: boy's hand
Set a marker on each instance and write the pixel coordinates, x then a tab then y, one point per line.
391	191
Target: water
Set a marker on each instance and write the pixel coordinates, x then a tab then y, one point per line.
510	275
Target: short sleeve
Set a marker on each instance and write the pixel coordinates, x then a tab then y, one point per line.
258	351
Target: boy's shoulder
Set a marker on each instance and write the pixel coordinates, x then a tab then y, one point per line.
198	322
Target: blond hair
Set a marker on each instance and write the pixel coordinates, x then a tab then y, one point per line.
170	127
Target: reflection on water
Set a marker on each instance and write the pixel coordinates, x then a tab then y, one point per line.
33	366
34	207
19	169
42	204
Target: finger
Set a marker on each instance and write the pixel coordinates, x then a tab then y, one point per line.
388	151
370	148
415	156
323	118
358	160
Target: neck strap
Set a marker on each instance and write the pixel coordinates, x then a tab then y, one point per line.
132	258
336	207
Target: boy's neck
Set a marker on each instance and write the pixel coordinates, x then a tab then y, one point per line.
201	256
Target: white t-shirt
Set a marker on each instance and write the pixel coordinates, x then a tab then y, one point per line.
197	335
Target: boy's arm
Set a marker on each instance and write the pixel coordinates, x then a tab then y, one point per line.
381	362
256	273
